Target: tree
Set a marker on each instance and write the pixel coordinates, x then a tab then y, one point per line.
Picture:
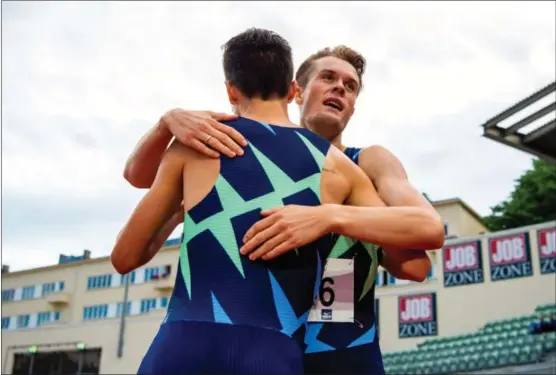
532	201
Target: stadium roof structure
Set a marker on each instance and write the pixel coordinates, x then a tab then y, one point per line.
529	125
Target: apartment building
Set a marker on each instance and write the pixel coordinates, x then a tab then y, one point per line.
67	318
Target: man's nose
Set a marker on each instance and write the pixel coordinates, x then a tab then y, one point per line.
339	88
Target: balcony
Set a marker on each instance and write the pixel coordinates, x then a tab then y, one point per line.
161	280
163	284
58	299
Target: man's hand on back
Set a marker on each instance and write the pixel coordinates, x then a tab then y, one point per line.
202	131
285	228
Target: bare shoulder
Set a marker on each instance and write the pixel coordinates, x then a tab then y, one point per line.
340	163
177	151
378	161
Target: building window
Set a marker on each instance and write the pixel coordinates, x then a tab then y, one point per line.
99	282
95	312
47	317
5	322
61	286
164	302
148	305
28	292
48	288
432	273
155	273
151	273
131	278
8	295
44	318
23	321
119	309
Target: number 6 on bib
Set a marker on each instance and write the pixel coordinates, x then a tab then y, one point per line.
335	301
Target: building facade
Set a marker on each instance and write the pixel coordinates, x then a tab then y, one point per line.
67	318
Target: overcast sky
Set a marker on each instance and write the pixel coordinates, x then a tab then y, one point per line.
81	82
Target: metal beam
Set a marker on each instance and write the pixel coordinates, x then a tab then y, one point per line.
520	105
543	130
529	119
521	147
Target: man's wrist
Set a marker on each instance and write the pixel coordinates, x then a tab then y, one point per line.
333	217
163	129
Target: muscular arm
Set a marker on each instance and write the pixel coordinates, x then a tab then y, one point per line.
142	165
134	246
390	227
390	179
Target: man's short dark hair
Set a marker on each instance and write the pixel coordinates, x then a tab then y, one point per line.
341	52
259	63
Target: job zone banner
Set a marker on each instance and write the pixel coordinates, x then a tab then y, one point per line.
546	239
510	257
463	264
417	315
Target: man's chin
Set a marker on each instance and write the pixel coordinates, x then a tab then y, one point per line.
327	125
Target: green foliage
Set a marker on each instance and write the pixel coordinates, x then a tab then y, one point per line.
532	201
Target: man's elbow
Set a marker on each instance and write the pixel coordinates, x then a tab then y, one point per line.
122	264
433	233
420	270
134	178
422	273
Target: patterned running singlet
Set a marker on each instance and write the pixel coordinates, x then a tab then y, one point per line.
228	314
214	281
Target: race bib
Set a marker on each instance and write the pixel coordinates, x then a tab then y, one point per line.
335	302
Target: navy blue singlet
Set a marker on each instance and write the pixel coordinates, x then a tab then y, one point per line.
349	348
227	314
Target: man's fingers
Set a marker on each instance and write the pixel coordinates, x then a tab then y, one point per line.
232	133
257	235
202	148
227	139
259	226
257	240
220	116
282	248
271	211
216	141
268	246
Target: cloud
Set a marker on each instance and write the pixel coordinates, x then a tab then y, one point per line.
82	82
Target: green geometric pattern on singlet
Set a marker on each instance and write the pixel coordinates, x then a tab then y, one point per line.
234	205
343	244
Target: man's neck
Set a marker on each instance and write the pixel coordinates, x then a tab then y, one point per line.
336	141
274	112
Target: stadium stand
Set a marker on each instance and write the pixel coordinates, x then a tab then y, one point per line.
497	344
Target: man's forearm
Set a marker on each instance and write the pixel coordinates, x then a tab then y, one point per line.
141	167
158	241
389	227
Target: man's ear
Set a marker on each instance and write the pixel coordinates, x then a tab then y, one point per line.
298	94
292	91
232	93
